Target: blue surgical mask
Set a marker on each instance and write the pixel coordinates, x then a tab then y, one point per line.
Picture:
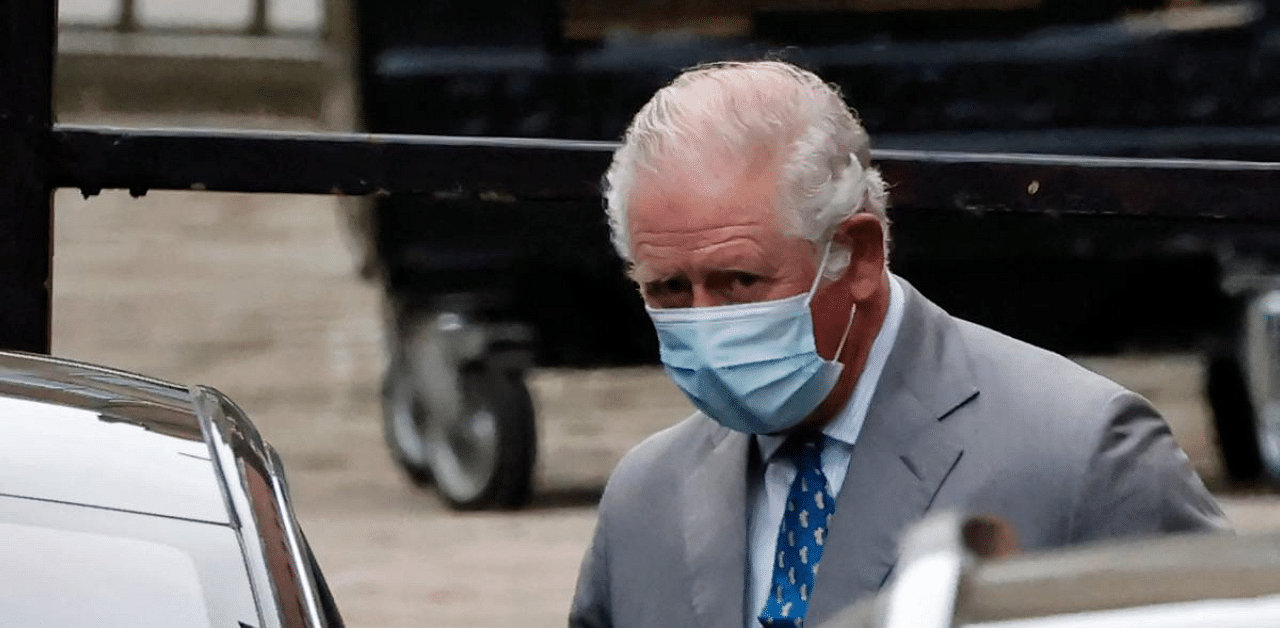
753	367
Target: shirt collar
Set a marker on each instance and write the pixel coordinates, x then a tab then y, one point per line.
848	423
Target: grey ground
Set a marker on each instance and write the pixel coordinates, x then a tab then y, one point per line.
256	295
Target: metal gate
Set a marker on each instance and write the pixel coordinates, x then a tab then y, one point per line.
41	156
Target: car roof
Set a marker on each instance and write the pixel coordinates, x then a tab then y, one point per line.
87	435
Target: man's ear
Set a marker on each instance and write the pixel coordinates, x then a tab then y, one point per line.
864	235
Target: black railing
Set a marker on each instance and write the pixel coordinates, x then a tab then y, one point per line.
40	157
97	158
28	38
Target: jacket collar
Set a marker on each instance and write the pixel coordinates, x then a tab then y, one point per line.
902	457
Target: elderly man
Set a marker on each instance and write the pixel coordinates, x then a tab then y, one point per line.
836	405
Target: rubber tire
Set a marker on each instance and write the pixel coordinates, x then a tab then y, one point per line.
1233	418
401	403
500	391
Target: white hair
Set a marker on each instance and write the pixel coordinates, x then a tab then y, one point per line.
769	109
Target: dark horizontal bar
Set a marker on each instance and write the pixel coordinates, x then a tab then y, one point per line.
1103	186
94	159
1239	143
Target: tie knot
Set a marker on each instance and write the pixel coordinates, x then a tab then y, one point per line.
804	449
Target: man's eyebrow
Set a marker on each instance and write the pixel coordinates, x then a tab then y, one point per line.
654	279
657	279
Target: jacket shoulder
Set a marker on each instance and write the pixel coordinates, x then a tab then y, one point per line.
1019	371
662	458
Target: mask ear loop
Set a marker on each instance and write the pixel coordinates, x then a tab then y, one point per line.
822	266
853	309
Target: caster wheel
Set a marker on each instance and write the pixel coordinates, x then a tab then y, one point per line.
468	430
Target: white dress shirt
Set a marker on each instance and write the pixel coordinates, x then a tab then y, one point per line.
767	493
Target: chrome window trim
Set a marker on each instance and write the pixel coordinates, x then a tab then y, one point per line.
279	487
237	440
208	409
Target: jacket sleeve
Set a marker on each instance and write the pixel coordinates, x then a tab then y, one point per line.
591	605
1139	482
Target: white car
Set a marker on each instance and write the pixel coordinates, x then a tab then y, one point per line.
128	502
957	573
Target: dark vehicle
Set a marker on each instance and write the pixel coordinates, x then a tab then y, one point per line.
482	287
126	501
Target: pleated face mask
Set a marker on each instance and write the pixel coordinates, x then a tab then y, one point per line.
753	367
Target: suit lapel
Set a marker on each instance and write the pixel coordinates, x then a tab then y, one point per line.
902	456
715	532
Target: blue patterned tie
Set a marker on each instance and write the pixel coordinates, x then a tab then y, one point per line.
800	537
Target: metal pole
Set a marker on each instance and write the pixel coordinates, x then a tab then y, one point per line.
258	25
128	21
339	25
28	38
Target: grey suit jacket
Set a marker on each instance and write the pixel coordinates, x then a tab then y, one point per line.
963	418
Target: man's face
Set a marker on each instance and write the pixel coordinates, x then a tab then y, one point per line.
712	236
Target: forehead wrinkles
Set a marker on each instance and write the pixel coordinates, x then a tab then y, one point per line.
733	251
701	240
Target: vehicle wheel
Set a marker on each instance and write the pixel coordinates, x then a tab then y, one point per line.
1233	418
478	451
484	457
403	420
